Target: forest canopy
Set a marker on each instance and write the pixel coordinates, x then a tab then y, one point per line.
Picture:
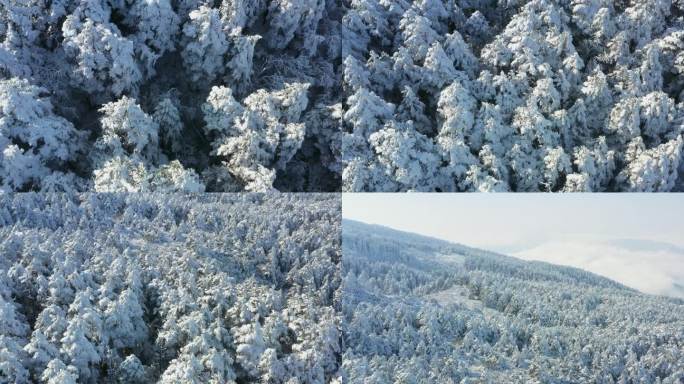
330	95
513	95
152	288
169	95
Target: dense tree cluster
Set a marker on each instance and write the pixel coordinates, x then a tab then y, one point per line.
418	310
169	95
363	95
143	288
513	95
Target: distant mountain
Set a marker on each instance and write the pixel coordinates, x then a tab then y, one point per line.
646	245
424	310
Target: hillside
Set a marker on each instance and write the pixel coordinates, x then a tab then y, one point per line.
141	288
422	310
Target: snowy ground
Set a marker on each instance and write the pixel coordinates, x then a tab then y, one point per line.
454	259
456	294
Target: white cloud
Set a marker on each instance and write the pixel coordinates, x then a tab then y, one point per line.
650	267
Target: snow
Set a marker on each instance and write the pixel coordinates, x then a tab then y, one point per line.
579	90
455	259
89	58
421	308
456	295
154	288
401	95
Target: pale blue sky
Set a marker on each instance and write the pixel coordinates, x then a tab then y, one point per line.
621	236
499	221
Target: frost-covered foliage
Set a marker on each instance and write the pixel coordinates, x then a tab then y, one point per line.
35	142
259	138
145	288
523	95
392	95
82	71
419	310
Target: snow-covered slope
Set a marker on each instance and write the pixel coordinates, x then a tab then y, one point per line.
423	310
140	288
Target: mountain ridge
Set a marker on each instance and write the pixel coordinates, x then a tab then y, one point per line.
346	223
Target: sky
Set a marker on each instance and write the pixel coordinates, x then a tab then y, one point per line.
636	239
